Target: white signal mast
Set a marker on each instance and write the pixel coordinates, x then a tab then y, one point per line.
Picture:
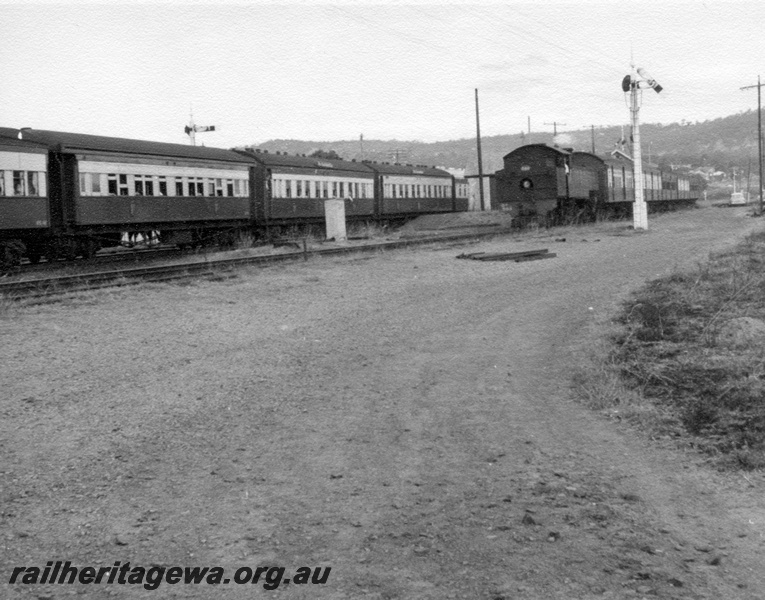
633	83
191	129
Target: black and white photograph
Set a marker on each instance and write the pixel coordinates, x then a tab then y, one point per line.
393	300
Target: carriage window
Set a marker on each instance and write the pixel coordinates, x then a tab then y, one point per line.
123	185
192	187
149	186
95	183
138	186
325	188
179	186
18	183
112	184
211	187
162	186
218	187
2	183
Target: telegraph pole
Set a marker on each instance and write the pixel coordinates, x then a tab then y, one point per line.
397	153
592	129
759	134
555	127
478	142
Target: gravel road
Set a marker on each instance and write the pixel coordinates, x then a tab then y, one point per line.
404	418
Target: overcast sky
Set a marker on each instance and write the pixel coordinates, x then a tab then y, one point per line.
403	71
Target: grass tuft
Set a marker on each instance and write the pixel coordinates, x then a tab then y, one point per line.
666	368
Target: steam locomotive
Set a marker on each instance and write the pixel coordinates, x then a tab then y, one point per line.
547	184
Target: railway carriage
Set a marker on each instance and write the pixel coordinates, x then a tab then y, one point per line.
405	190
461	194
292	188
24	205
661	189
102	187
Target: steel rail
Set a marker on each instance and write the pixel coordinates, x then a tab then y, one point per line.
53	286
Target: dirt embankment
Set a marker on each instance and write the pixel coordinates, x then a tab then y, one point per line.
404	419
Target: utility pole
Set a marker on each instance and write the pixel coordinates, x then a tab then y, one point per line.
361	145
478	143
555	127
529	118
396	153
759	134
592	129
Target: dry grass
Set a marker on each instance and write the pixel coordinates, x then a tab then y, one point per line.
663	365
367	230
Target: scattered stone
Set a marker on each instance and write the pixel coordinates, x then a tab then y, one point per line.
674	582
703	548
118	541
507	499
715	560
631	497
331	476
528	520
553	536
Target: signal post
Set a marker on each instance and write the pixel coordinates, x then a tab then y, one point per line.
631	83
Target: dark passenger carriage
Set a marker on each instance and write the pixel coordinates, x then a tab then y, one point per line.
101	187
24	205
292	188
404	190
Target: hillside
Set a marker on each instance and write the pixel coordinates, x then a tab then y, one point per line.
720	144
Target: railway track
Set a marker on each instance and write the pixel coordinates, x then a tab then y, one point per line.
47	287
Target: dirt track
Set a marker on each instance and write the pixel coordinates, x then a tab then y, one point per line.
404	419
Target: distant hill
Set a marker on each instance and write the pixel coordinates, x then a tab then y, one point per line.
718	144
